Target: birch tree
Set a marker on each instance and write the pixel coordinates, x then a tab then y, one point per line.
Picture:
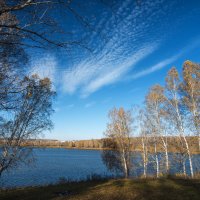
155	107
31	118
144	140
175	110
119	131
154	139
191	95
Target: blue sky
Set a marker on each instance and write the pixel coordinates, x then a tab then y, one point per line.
133	45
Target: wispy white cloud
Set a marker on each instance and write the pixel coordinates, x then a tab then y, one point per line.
156	67
129	39
166	62
112	60
132	33
116	71
91	75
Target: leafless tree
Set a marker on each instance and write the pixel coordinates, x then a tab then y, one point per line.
13	61
38	23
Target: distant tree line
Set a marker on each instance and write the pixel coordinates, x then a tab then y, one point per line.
82	144
107	144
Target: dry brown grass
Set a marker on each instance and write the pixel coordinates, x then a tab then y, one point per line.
122	189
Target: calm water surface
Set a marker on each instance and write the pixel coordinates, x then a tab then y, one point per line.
53	164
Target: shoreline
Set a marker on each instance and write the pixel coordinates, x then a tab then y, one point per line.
98	149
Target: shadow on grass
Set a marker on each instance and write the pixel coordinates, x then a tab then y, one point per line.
122	189
48	192
164	189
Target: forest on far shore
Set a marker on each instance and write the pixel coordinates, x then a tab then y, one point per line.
106	144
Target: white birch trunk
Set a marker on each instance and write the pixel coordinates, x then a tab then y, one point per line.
184	168
144	158
182	134
166	155
157	161
125	165
189	157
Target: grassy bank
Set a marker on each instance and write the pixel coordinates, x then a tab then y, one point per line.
162	189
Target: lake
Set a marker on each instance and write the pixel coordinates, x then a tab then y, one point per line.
51	164
54	164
